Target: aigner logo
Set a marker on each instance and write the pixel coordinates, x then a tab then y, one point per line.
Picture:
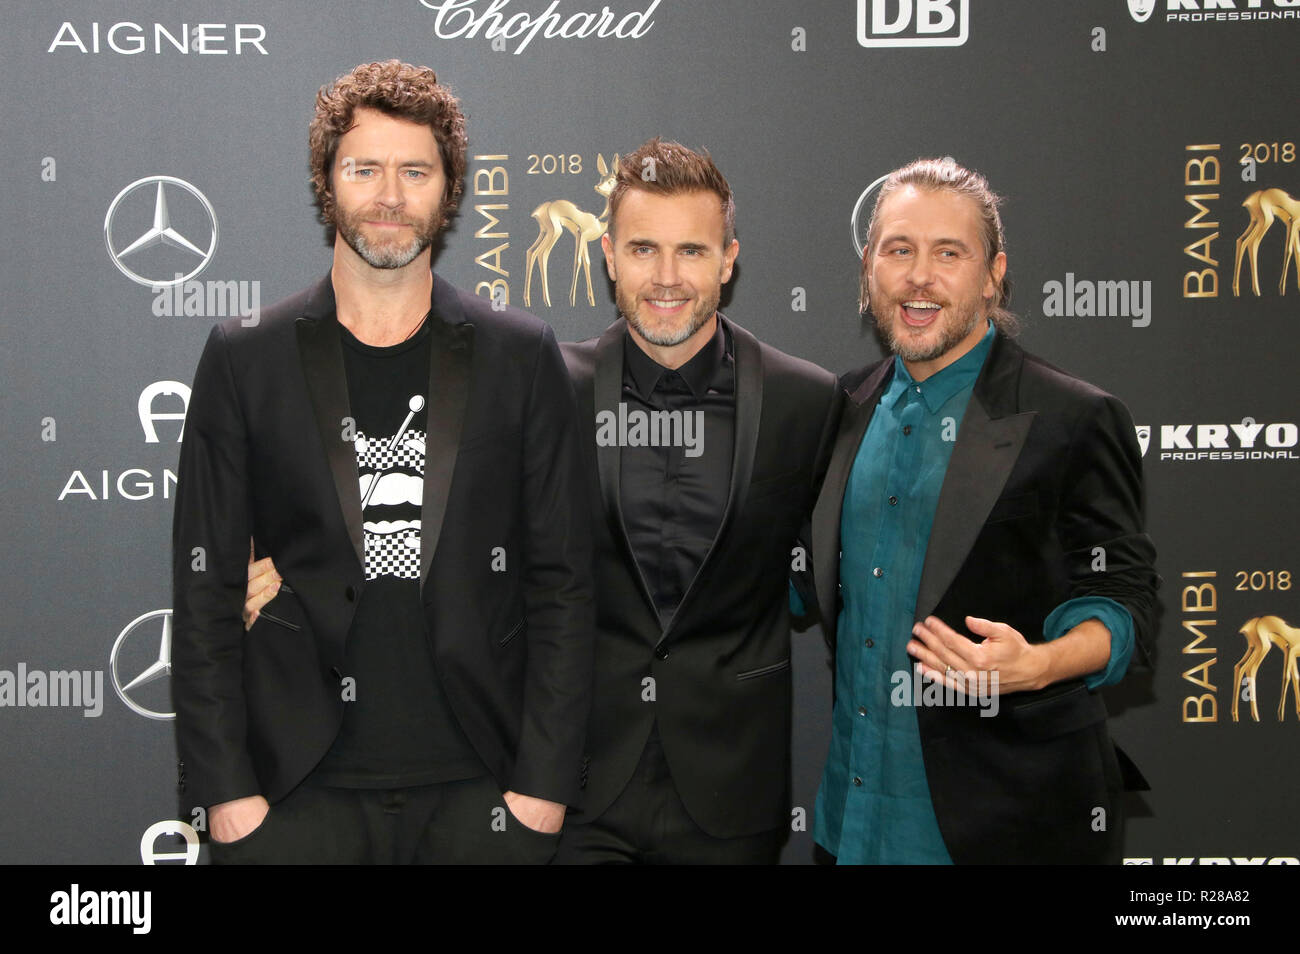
148	416
143	647
128	213
891	22
150	854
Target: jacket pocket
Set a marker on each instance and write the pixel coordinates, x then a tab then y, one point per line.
764	670
1058	714
285	599
279	621
515	631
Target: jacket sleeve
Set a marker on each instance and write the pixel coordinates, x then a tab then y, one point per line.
803	585
210	539
1100	524
558	588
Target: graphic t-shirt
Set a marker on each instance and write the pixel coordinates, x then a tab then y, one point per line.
398	729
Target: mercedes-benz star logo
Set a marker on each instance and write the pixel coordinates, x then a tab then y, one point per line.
161	232
859	220
156	669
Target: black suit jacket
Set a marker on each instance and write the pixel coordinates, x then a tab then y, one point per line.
266	456
721	665
1045	470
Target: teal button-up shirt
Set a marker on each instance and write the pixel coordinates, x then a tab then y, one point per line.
873	806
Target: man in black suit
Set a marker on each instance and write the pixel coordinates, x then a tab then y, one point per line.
704	450
418	687
981	519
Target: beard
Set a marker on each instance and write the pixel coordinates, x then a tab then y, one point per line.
392	253
961	320
664	336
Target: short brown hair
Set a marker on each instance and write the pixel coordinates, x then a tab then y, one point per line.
948	175
669	168
397	89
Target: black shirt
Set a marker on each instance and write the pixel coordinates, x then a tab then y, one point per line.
398	730
673	495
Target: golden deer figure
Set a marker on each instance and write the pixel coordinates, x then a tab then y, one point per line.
1264	206
1262	634
557	216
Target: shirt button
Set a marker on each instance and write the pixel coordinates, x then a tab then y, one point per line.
917	388
877	572
870	642
862	710
857	780
661	653
893	501
907	429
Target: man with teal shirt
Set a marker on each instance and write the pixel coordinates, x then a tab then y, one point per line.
974	489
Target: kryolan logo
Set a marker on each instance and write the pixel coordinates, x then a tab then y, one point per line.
1141	10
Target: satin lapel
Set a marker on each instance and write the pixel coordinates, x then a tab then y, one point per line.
749	411
987	449
858	410
451	345
320	350
607	392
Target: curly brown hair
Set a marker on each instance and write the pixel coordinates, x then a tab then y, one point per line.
397	89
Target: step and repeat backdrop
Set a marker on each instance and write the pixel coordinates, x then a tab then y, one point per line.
158	182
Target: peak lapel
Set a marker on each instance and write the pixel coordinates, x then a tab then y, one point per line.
451	346
989	443
607	392
749	411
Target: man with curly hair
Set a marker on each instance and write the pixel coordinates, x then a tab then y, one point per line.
417	689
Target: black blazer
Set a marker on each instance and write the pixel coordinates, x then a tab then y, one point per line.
1045	469
721	665
264	456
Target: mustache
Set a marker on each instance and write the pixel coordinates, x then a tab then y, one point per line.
389	218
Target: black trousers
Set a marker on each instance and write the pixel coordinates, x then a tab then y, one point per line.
462	822
649	824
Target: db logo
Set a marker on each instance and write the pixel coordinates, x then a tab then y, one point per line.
892	23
